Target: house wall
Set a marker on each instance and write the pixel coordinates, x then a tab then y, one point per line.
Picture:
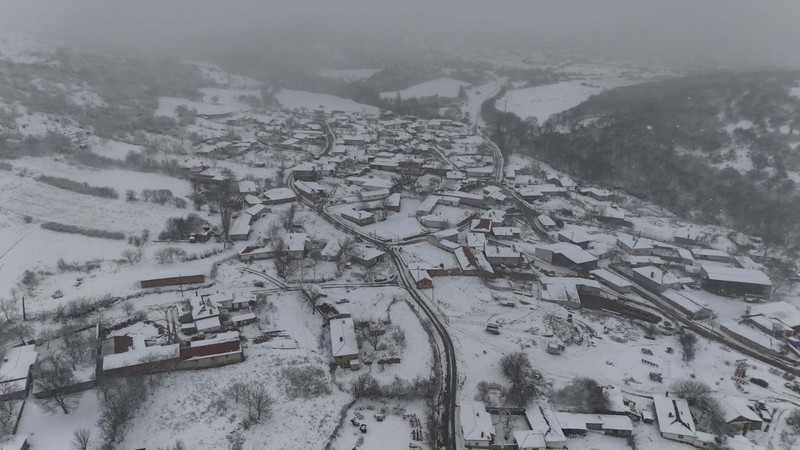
211	361
173	281
732	289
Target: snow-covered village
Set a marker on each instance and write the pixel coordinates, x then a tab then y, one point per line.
474	254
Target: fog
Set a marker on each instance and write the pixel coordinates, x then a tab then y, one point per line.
729	31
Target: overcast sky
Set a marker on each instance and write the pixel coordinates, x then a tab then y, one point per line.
727	30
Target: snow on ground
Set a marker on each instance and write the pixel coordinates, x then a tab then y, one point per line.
443	87
227	101
112	149
349	74
216	74
394	432
476	95
53	431
543	101
26	48
292	99
39	124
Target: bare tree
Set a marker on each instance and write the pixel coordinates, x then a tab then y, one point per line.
259	403
54	376
237	390
794	418
7	410
81	439
347	246
365	386
8	306
76	347
132	255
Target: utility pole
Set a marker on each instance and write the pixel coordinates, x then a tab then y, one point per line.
24	316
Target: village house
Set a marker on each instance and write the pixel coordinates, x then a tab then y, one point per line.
257	253
656	280
597	194
277	196
675	422
295	245
567	255
248	187
688	304
545	429
367	256
738	413
358	217
215	351
250	200
476	425
240	228
574	424
612	280
15	372
368	195
576	237
305	171
546	223
733	281
613	216
256	212
473	262
344	346
392	202
427	206
481	226
205	314
501	255
310	189
506	232
466	198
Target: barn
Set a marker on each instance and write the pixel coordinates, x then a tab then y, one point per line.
733	281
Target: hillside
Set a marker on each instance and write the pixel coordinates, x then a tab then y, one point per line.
717	147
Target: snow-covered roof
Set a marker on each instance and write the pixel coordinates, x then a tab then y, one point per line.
709	253
203	307
736	407
506	231
546	221
343	337
366	253
392	200
654	273
785	312
17	362
140	356
279	194
735	275
543	421
529	439
248	187
469	259
228	336
240	226
356	214
428	204
611	278
476	423
13	442
498	251
295	242
575	236
571	251
207	324
674	416
251	199
309	187
685	301
255	209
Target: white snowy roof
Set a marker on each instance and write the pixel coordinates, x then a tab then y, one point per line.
685	301
572	252
392	200
295	242
208	323
529	439
785	312
17	362
13	442
142	355
736	275
279	194
247	187
546	221
674	416
203	307
735	407
343	337
611	278
367	253
476	423
428	204
251	199
656	274
241	225
255	209
498	251
356	214
543	421
575	236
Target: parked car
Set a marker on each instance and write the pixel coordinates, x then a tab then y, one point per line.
759	382
58	294
363	428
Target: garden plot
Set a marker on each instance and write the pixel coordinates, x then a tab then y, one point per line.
395	431
54	431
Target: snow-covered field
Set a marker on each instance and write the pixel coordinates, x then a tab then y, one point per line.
292	99
349	74
543	101
443	87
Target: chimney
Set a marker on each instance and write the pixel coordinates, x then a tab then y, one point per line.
341	338
652	274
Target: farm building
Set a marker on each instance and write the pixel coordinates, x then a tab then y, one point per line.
220	350
176	280
256	212
573	424
472	262
344	346
367	256
205	314
358	217
612	280
710	254
248	187
476	424
675	422
466	198
392	202
738	413
656	280
295	245
278	196
542	421
732	281
240	228
310	189
686	302
566	255
497	255
576	237
546	223
15	372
